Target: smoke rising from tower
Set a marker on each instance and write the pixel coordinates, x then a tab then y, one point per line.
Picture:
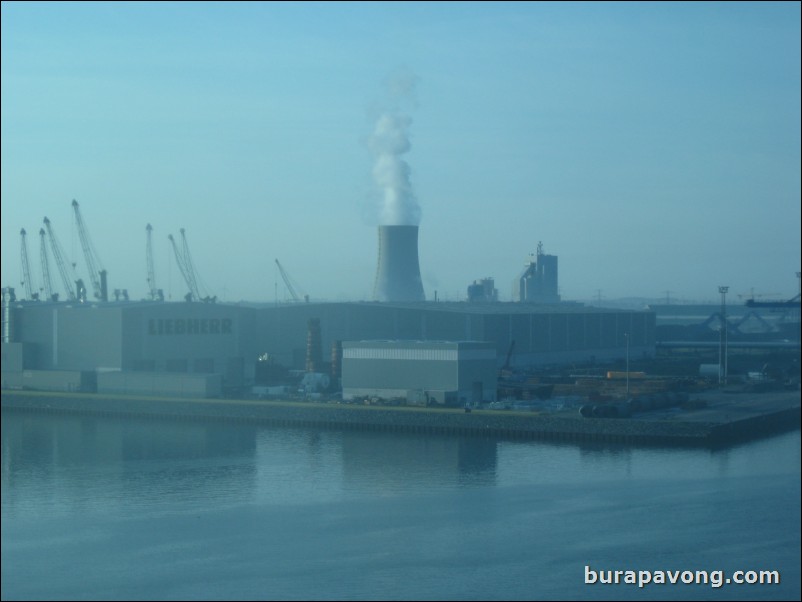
398	271
391	173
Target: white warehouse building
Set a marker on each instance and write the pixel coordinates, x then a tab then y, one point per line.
420	372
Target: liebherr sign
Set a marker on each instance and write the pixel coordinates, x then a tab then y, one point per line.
189	326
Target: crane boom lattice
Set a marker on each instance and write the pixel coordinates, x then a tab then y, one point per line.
97	275
190	266
48	285
156	294
30	290
291	285
190	296
187	268
66	271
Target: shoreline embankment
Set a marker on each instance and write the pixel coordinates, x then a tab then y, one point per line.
724	420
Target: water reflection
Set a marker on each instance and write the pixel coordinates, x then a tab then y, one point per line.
92	461
73	454
197	510
387	462
87	461
51	441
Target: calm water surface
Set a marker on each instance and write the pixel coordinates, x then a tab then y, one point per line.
102	508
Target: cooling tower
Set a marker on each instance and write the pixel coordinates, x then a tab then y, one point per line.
398	273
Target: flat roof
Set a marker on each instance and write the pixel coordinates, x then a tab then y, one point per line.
409	343
461	307
504	307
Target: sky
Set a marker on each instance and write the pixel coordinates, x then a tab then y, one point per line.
653	147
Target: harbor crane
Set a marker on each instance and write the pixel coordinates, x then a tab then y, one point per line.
187	268
97	275
26	269
156	294
290	285
48	285
67	271
192	295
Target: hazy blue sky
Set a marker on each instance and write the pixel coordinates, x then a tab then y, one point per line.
652	147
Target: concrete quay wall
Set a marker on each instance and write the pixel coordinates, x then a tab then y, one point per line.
500	424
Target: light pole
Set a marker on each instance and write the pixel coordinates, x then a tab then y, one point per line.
722	370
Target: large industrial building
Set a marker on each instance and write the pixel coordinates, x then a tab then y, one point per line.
208	349
220	339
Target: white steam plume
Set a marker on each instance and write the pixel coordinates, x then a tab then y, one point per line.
389	141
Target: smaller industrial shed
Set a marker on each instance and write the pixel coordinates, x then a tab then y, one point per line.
172	384
421	372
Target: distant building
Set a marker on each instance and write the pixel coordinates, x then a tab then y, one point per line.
482	291
539	283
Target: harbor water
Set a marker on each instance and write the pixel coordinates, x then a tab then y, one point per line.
110	508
